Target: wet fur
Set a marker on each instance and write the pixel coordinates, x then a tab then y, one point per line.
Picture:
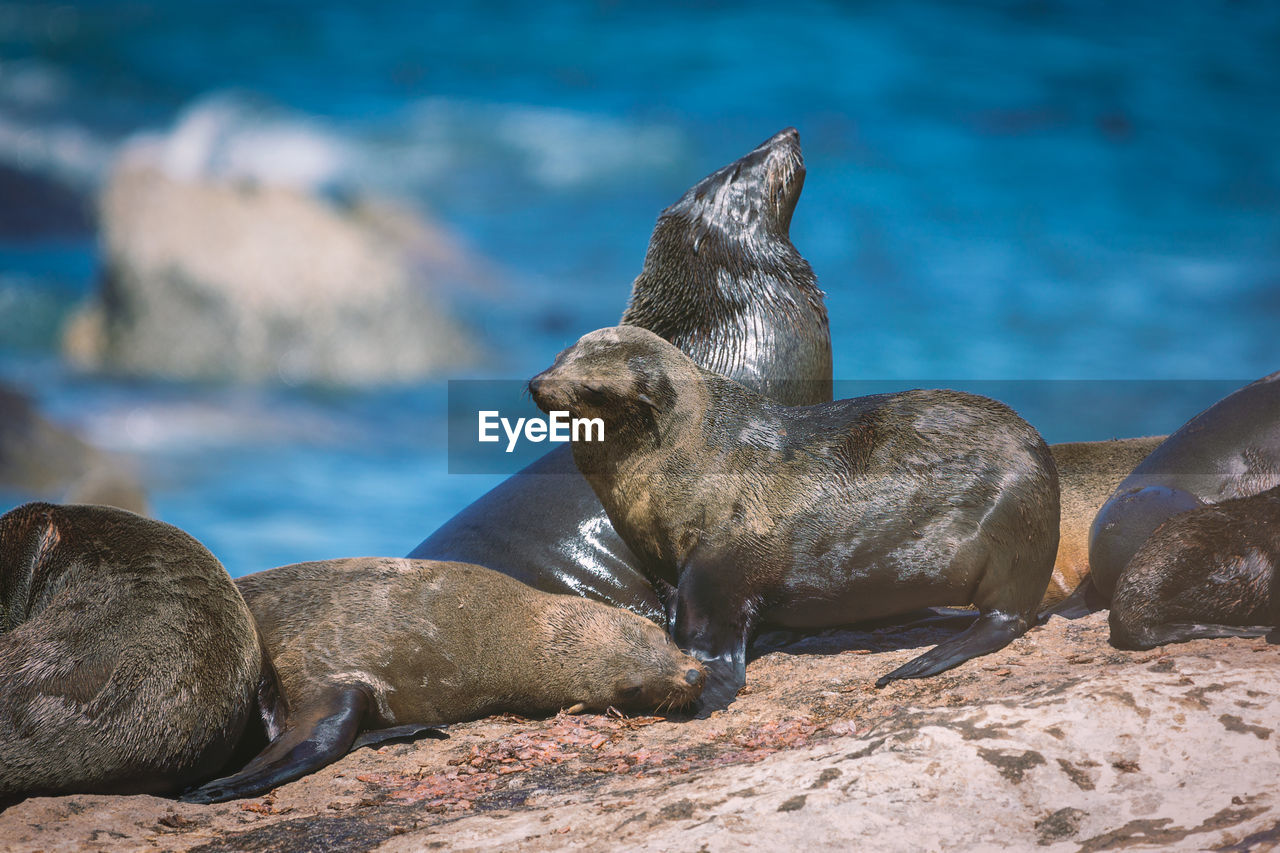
129	662
370	644
1230	450
1209	572
721	280
810	516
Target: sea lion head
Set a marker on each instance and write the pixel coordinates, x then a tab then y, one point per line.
723	281
758	190
735	219
611	373
614	658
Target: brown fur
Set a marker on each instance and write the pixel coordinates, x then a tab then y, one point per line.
809	516
395	647
128	660
1209	572
1088	472
443	642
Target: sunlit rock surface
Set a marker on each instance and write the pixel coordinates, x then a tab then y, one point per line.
1057	741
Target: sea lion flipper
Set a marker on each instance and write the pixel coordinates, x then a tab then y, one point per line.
1151	636
323	736
1084	600
724	680
992	631
713	631
409	732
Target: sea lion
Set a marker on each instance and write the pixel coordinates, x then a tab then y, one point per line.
722	281
129	662
809	516
395	647
1088	472
1208	572
1230	450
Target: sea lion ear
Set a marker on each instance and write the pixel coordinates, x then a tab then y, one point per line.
646	399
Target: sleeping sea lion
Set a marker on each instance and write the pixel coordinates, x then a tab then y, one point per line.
397	647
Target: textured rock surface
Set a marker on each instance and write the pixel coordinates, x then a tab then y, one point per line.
1057	741
215	279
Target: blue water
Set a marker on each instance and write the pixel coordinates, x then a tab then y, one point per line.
1003	191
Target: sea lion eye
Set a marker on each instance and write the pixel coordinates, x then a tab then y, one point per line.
594	394
631	692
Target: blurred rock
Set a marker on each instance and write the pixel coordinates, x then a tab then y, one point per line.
47	461
217	279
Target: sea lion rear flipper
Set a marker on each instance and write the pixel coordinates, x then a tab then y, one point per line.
1151	636
992	631
409	732
1084	600
321	737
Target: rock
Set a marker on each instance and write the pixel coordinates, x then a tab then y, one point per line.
236	280
44	460
1057	741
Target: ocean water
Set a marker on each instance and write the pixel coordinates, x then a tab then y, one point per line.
1074	206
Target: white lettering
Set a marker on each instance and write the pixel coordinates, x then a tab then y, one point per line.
487	425
587	424
559	425
513	435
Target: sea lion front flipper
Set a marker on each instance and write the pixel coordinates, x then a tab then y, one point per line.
322	736
712	629
992	631
724	680
409	732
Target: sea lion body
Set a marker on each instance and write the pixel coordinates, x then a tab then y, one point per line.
1230	450
811	516
722	281
1208	572
129	663
393	647
1088	474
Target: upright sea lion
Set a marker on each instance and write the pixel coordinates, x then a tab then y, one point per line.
129	663
1230	450
809	516
1088	472
1209	572
394	647
722	281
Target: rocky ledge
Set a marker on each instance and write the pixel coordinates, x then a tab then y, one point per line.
1059	741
